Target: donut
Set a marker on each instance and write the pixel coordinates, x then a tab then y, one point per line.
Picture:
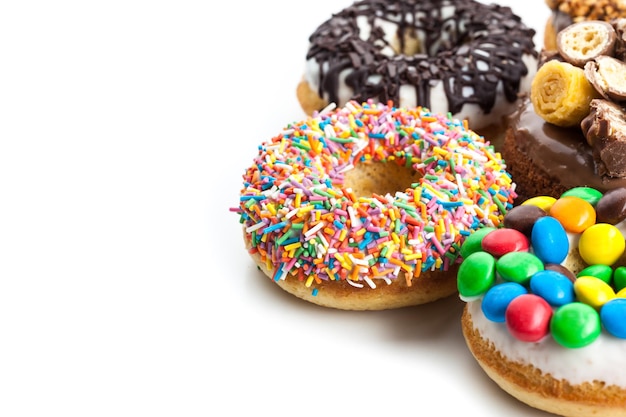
458	56
545	302
365	206
545	159
571	130
565	12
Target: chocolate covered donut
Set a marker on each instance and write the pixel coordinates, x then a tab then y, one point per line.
571	131
545	159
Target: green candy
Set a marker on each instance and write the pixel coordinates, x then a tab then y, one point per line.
604	272
518	266
575	325
476	274
473	243
619	278
590	195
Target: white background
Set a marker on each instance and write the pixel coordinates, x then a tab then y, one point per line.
125	288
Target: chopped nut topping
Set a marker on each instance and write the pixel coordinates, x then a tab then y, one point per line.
581	10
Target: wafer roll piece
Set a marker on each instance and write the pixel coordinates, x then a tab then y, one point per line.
561	93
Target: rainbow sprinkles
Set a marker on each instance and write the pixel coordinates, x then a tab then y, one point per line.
302	219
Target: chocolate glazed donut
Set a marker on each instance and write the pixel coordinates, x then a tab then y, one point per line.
446	55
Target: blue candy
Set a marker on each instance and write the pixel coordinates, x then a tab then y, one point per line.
497	299
612	315
549	240
554	287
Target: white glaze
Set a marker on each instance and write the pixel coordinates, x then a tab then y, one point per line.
603	360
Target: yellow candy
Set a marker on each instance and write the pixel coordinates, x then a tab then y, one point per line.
602	244
574	214
593	291
621	293
544	202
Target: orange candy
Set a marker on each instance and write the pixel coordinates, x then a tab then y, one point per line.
575	214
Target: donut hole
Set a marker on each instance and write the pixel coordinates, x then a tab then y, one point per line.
415	41
380	178
408	43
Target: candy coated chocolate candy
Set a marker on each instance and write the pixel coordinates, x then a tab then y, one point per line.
503	241
543	202
561	269
604	272
476	274
528	317
574	214
575	325
473	243
593	291
497	299
601	243
590	195
612	206
621	293
619	278
612	316
518	267
523	217
549	240
553	287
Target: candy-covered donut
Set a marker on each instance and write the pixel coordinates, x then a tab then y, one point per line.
457	56
546	302
365	207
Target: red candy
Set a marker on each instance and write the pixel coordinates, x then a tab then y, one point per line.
502	241
528	318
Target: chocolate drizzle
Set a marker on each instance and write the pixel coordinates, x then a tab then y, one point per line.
469	46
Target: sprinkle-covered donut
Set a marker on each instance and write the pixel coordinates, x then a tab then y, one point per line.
546	302
464	57
365	207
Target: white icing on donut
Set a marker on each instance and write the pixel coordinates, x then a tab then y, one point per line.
439	102
603	360
470	112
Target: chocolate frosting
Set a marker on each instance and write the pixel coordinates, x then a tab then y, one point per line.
470	49
563	153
